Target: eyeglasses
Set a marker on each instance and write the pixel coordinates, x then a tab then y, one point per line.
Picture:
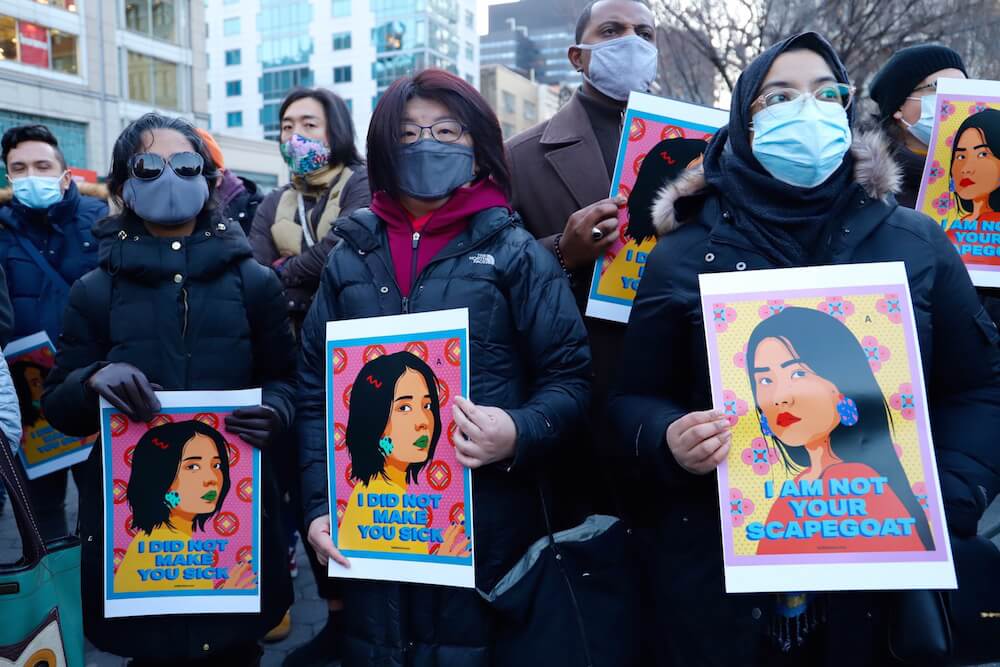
443	131
149	166
830	93
923	91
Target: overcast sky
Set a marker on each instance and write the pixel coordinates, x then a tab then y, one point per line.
483	14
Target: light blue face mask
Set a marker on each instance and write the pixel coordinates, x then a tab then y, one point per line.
619	66
803	141
922	128
38	191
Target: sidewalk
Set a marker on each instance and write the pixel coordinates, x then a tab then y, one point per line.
308	612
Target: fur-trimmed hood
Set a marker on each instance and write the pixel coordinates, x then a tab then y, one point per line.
875	170
95	190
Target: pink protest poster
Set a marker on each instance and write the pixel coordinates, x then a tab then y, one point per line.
830	482
42	448
402	501
663	138
181	509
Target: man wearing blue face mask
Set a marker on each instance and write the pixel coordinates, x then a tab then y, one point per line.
45	245
905	90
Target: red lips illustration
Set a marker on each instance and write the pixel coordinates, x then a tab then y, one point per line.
966	182
786	419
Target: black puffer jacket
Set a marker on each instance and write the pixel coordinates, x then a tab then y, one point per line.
191	313
666	376
529	356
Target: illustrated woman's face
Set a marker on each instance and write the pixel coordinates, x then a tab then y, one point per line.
976	170
800	406
199	476
411	420
35	382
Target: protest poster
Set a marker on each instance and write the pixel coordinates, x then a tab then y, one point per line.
830	482
42	448
181	508
401	501
960	188
663	138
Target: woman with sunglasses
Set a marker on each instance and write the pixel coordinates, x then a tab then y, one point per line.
441	234
786	184
177	303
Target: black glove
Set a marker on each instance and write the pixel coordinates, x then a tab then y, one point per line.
126	388
255	426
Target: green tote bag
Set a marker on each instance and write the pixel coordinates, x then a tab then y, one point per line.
41	622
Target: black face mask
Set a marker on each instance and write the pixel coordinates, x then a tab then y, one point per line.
430	170
168	200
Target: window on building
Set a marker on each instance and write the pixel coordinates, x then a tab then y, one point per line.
235	88
471	79
340	8
61	4
508	130
470	51
283	27
275	85
350	104
72	137
230	2
470	19
530	110
270	121
234	119
231	26
509	102
234	57
153	18
152	81
341	41
342	74
38	46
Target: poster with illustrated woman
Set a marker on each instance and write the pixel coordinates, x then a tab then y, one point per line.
402	500
830	483
181	508
960	187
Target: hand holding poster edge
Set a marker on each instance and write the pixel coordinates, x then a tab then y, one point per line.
722	295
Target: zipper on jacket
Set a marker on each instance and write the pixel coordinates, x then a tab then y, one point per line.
413	272
184	314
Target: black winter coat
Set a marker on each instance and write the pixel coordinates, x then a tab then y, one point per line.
666	376
241	209
194	313
529	356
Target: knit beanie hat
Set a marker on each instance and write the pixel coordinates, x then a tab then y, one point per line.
212	146
907	68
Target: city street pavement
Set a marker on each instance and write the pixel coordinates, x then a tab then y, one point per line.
308	612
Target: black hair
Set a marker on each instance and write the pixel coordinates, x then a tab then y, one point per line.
339	126
30	415
134	139
16	135
155	463
462	99
664	162
828	347
584	19
371	407
988	123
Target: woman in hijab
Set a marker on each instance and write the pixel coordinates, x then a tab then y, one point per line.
787	184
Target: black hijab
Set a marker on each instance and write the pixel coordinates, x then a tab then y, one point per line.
786	223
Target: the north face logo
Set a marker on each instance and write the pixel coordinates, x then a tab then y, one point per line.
483	258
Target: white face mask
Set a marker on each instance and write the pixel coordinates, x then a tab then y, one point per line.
925	125
619	66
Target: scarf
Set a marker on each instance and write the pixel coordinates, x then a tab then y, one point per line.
785	223
325	186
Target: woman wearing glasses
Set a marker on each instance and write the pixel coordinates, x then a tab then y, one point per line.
177	303
441	234
786	184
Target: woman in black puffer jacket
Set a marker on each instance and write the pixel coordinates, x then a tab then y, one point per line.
457	245
179	302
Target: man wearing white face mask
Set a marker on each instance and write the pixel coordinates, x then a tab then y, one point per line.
45	245
905	90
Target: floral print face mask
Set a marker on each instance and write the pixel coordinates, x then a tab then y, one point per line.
304	155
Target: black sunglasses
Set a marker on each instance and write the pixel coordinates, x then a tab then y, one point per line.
149	166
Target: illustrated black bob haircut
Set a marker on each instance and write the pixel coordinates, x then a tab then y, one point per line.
339	126
664	163
30	415
988	124
827	346
462	100
371	407
155	463
136	139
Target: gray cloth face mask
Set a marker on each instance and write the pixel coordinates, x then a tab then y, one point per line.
168	200
619	66
430	170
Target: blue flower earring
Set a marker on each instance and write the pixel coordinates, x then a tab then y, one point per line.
765	428
172	499
848	411
385	445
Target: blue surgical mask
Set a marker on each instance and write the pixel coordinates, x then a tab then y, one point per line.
801	142
38	191
922	128
619	66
